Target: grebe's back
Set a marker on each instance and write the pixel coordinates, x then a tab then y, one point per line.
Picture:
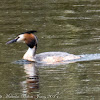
55	57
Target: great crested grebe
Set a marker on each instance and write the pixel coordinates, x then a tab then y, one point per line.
48	57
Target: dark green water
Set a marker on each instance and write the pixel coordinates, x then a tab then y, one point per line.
71	26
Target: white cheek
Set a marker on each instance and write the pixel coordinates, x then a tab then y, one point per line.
21	38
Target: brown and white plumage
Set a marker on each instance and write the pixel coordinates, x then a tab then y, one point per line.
31	40
48	57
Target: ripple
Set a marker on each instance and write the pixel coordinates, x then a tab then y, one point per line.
89	11
80	18
78	5
69	11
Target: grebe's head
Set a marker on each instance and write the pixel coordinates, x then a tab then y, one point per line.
27	37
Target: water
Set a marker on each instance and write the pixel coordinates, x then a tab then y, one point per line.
63	25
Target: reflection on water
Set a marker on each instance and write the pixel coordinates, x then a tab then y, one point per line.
31	83
71	26
32	76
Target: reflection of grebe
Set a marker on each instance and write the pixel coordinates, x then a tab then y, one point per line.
32	77
49	57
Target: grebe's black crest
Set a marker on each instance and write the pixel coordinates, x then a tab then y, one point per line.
29	32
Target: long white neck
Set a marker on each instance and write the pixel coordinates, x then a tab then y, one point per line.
29	55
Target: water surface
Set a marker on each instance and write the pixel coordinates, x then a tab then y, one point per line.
71	26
